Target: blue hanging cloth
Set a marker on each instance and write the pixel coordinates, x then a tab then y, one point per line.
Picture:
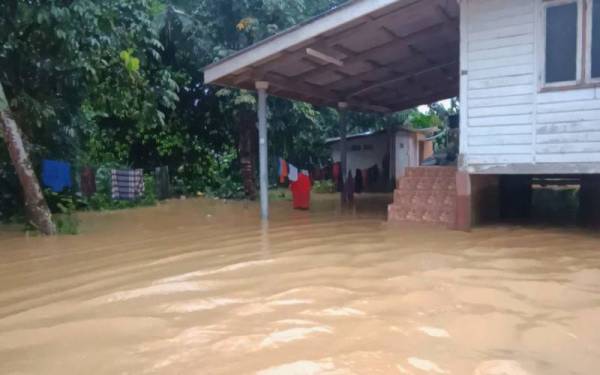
56	175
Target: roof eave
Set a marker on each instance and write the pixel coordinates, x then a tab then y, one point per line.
292	37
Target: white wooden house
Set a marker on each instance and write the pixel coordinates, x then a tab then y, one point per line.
527	73
530	88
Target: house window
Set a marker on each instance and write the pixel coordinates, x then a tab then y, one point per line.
595	42
571	32
368	147
562	47
355	148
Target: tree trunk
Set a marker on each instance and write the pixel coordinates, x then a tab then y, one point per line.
35	204
248	152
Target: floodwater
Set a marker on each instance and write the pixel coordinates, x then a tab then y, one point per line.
201	287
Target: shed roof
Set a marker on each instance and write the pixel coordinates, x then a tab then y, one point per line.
374	133
376	55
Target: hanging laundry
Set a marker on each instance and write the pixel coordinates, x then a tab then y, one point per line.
163	190
374	175
317	174
301	192
336	171
365	176
292	173
88	182
358	182
56	175
283	170
349	188
127	184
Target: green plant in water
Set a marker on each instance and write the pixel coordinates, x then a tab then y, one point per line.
64	207
324	187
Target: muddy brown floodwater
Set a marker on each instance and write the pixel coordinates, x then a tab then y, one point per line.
201	287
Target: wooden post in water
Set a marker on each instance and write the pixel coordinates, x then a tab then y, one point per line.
263	147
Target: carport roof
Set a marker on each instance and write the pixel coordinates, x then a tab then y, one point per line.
376	55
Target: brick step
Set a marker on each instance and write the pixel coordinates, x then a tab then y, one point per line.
431	172
410	214
426	183
425	195
424	198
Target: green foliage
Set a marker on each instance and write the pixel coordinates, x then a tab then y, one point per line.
227	183
280	194
324	187
132	63
10	194
420	120
64	207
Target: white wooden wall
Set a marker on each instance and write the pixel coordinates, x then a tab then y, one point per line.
365	158
509	125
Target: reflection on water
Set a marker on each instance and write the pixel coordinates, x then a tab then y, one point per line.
201	287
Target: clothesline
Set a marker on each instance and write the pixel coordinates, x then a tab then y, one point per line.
126	184
289	171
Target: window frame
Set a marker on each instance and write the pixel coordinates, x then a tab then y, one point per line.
588	41
579	79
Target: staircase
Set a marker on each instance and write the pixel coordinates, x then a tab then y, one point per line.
425	195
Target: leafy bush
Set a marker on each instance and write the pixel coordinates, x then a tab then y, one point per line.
324	187
226	177
10	196
420	120
64	207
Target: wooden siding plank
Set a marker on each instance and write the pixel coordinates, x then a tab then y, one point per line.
500	130
566	95
500	150
500	140
526	79
501	111
568	148
499	159
499	92
505	101
569	127
584	105
484	45
504	32
507	71
574	116
502	62
591	157
497	53
559	138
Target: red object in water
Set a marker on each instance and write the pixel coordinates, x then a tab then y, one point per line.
301	192
336	171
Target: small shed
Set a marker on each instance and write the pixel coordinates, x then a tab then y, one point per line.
390	151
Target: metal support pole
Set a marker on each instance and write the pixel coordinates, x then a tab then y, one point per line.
343	106
263	148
